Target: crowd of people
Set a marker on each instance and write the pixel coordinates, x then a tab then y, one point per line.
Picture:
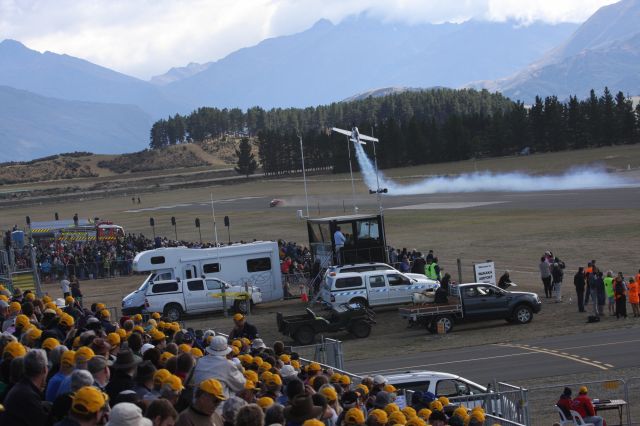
68	365
593	285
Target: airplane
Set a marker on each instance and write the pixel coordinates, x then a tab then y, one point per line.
355	136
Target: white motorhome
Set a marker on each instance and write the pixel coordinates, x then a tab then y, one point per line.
256	264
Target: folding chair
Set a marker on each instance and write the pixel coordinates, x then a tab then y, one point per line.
563	419
577	419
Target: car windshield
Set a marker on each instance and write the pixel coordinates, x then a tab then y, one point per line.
145	283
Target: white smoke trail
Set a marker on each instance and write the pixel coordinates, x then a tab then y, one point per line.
494	182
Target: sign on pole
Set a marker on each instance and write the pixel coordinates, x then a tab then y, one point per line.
485	272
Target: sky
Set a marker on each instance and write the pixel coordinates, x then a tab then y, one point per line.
144	38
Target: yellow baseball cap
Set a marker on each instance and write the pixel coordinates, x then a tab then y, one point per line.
583	390
137	318
460	412
157	335
4	298
184	348
14	307
213	387
397	418
354	416
122	333
444	400
245	341
295	364
286	359
174	382
265	366
273	380
235	350
50	343
69	300
416	421
34	333
238	317
22	321
265	402
237	343
30	297
155	315
249	385
424	413
379	416
251	375
409	412
105	313
68	358
15	349
329	393
344	380
46	299
100	306
391	408
389	388
88	399
83	354
160	376
313	422
165	357
314	366
66	320
196	352
114	339
363	388
335	378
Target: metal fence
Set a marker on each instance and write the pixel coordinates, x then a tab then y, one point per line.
328	352
542	400
633	399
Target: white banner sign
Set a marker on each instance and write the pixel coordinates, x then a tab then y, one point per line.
485	272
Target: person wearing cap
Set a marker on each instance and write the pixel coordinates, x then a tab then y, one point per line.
242	329
4	311
353	417
23	403
302	409
171	389
583	405
87	408
127	414
207	397
215	365
67	364
13	311
98	366
377	417
144	380
273	386
122	374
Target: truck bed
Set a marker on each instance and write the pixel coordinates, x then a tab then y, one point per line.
453	306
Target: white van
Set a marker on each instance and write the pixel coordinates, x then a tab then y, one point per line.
174	298
257	264
373	288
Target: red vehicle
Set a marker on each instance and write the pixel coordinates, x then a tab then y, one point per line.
81	230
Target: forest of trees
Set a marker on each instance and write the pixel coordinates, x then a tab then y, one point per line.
414	127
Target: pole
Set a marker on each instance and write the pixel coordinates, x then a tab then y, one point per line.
200	233
459	271
304	175
229	234
215	227
353	186
175	230
246	290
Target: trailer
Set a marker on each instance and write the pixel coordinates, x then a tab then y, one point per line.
82	230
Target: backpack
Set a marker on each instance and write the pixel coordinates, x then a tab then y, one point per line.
593	318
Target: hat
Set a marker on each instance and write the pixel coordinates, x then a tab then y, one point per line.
397	418
100	346
66	320
302	409
258	344
174	382
379	416
344	380
382	399
46	298
15	349
583	390
362	388
379	380
295	364
213	387
22	321
146	347
114	339
416	421
409	412
184	348
69	300
265	402
124	360
274	380
460	412
160	376
137	318
14	307
249	385
145	371
312	422
105	314
391	408
88	399
218	346
127	414
444	400
349	398
286	359
68	358
424	414
330	393
314	366
238	317
50	343
436	405
34	334
196	352
100	306
96	364
155	315
354	416
251	375
83	354
288	371
157	335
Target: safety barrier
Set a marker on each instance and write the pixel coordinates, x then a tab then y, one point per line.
542	400
328	352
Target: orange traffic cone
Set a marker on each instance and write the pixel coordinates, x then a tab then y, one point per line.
304	297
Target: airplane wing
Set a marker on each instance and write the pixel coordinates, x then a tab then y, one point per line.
368	138
344	132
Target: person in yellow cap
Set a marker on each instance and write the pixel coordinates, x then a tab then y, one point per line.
22	324
50	343
88	406
196	352
13	350
207	397
155	316
397	418
345	382
67	364
242	329
416	421
409	412
265	402
377	417
583	405
424	414
159	377
171	389
354	417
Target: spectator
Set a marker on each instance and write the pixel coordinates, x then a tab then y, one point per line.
578	283
215	365
23	404
545	276
634	296
208	396
583	405
87	408
564	403
620	295
608	288
127	414
161	413
242	328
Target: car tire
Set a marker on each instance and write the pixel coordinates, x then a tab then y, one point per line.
522	314
172	312
444	319
360	329
360	301
305	335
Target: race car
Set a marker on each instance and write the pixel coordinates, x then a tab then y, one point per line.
276	202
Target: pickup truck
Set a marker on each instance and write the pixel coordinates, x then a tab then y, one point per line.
355	318
474	302
176	298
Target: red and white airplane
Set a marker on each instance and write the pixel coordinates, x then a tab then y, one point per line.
355	136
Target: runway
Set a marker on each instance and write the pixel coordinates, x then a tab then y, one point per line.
527	359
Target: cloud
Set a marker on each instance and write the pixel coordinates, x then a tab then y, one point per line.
147	37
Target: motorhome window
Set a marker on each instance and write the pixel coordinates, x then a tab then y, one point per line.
376	281
258	265
397	279
214	285
195	285
164	287
156	260
348	282
211	268
164	276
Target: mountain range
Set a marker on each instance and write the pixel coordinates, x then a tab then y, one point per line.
62	102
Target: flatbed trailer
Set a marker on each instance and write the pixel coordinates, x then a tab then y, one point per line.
429	314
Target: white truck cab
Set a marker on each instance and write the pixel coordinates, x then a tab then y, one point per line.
174	298
373	287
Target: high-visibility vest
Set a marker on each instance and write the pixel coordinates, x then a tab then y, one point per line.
430	271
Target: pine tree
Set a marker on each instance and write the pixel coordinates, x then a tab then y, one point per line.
247	164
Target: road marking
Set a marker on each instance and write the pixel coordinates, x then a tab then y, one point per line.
609	365
575	358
